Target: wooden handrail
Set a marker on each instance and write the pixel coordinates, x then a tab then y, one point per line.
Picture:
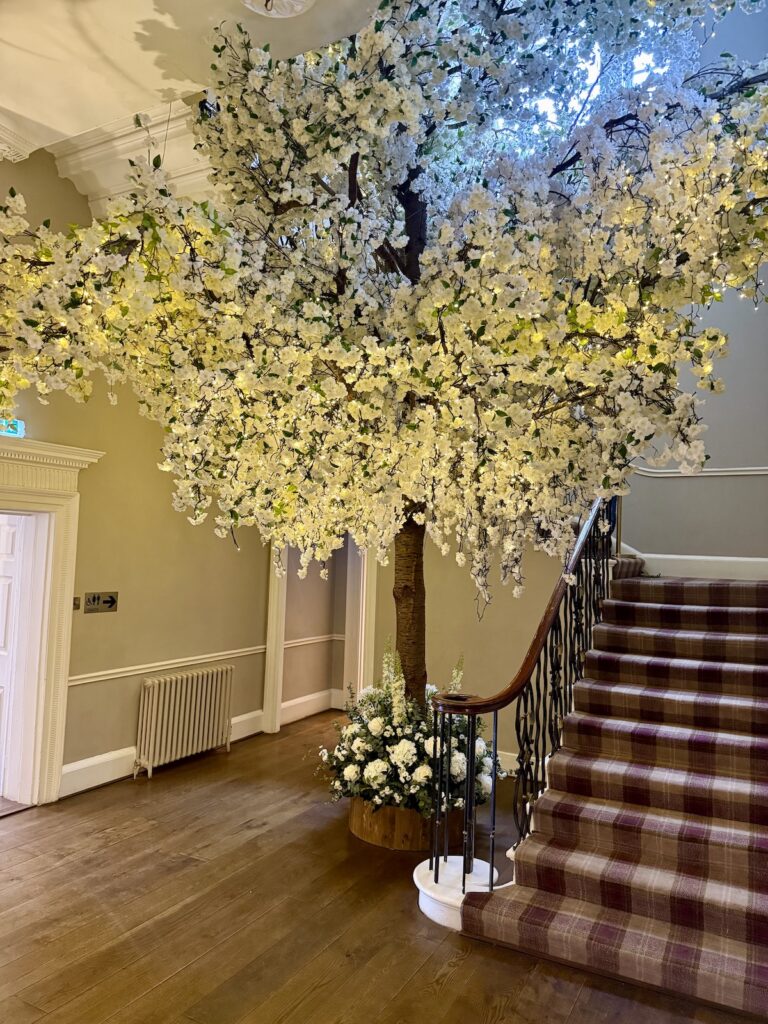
468	704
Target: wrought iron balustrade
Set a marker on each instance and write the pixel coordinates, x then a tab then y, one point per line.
539	696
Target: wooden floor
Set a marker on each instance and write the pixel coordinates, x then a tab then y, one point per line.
227	890
10	807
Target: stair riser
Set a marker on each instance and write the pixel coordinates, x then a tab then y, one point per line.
718	594
657	708
695	755
706	647
718	620
632	895
718	862
606	947
744	680
686	798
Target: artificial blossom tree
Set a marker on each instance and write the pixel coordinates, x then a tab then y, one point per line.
448	274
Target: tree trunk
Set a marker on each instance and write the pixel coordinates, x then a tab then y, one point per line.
410	607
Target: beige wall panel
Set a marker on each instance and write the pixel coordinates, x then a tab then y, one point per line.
48	196
309	605
711	515
493	646
103	715
307	669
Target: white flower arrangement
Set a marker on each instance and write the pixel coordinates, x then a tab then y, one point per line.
385	752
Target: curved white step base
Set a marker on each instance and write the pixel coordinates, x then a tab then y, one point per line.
441	903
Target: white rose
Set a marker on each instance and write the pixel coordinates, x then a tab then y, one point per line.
422	774
487	765
429	746
480	747
485	784
359	747
376	726
352	773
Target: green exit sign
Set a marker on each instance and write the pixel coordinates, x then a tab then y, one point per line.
13	428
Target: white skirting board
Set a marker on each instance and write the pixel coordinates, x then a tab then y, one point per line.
715	567
118	764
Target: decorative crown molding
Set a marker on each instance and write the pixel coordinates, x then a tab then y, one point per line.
36	465
97	161
12	146
42	453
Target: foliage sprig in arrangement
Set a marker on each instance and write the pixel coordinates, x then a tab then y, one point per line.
385	754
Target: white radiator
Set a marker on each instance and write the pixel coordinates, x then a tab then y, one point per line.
183	714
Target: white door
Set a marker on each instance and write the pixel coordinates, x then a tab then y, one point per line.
23	543
12	530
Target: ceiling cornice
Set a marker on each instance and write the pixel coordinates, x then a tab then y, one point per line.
12	146
97	161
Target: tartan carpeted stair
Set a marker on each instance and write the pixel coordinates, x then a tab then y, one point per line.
649	855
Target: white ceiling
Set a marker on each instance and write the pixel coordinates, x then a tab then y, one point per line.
67	66
70	66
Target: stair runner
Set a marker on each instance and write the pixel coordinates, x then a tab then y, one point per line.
649	855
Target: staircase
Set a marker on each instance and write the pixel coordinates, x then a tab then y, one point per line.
648	859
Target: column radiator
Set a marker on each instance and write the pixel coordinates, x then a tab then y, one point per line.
183	714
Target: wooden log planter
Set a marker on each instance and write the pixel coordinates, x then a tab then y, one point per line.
397	828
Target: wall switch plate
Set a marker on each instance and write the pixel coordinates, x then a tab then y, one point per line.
101	601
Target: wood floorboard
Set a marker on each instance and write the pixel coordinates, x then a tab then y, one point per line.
227	890
10	807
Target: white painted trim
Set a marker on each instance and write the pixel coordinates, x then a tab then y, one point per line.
96	771
306	640
311	704
368	629
118	764
12	146
247	725
707	566
97	160
273	668
39	477
154	667
706	471
20	768
163	666
352	669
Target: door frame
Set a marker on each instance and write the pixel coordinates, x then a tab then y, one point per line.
37	477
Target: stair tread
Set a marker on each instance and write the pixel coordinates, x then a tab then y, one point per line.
747	702
653	890
624	612
656	877
730	754
660	821
709	645
656	670
679	733
728	798
709	967
693	590
732	712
